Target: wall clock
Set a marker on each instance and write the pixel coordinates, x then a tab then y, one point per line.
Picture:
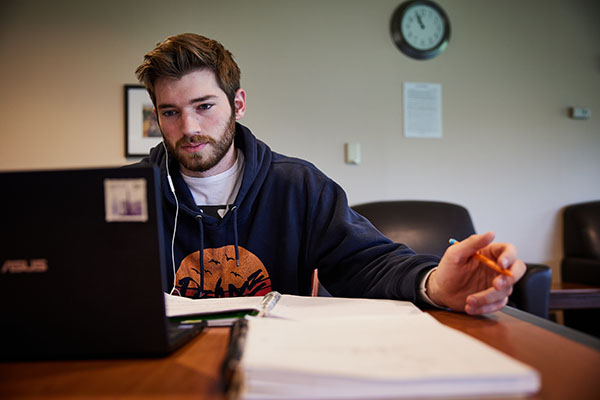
420	29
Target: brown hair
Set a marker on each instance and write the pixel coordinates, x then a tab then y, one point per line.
181	54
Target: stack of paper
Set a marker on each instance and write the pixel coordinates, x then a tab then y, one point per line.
380	357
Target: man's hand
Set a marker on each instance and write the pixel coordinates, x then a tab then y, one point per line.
462	283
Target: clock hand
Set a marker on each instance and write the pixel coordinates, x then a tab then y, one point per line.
420	21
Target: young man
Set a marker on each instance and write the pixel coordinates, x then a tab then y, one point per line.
242	220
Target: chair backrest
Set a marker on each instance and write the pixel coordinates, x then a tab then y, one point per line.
424	226
581	237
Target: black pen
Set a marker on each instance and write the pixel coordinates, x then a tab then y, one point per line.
230	371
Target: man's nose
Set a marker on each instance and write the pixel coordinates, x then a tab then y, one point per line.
190	125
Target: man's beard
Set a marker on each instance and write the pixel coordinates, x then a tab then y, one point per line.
203	162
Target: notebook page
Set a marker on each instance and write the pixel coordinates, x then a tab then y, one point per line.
302	308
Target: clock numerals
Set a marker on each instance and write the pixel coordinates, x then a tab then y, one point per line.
422	27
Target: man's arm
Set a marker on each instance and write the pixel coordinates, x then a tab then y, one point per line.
355	259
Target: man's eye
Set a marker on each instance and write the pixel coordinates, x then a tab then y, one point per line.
205	106
169	113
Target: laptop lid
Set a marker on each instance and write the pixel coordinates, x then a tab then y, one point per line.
82	264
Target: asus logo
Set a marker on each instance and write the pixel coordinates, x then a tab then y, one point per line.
21	266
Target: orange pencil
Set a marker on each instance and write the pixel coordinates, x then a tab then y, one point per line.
487	262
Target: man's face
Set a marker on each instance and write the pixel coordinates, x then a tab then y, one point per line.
197	121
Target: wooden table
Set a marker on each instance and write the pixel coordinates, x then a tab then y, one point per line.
566	295
569	369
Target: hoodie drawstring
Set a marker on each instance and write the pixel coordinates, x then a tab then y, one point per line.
201	256
235	236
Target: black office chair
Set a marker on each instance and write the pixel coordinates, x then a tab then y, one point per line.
426	226
581	261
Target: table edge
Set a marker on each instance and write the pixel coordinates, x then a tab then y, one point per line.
551	326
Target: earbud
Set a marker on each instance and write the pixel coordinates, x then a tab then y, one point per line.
171	183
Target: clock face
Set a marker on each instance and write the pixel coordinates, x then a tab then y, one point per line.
420	29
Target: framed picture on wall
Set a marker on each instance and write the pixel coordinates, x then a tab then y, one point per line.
141	129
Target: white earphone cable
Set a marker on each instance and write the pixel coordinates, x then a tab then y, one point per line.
175	223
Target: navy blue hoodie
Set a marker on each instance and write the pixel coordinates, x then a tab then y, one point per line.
287	220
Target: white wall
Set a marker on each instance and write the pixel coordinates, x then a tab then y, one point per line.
320	73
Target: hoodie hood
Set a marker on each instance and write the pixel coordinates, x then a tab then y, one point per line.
257	161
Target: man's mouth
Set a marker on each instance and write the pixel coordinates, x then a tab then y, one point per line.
193	147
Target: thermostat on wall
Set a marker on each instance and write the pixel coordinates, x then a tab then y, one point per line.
580	112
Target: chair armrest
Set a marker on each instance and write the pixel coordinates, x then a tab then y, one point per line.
581	270
532	292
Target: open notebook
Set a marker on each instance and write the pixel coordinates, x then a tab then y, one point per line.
225	311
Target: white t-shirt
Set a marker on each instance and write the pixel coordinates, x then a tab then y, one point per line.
218	190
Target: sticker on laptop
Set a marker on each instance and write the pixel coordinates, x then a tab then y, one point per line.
125	200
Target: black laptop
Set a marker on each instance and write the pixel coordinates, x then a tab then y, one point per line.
82	266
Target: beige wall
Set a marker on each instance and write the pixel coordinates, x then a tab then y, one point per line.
321	73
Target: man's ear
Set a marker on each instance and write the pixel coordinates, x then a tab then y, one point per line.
239	102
